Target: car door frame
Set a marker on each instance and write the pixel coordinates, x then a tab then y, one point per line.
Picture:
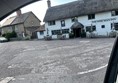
112	68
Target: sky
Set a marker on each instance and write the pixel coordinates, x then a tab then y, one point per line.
39	8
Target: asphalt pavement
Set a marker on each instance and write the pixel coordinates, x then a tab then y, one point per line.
56	61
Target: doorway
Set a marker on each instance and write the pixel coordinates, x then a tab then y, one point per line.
77	32
34	35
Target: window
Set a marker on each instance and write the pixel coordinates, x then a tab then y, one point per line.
64	31
56	32
114	13
111	26
103	26
73	19
94	28
88	28
63	23
41	33
51	23
116	26
91	16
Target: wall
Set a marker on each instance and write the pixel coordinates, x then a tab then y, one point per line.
40	36
19	29
100	19
31	21
7	29
57	26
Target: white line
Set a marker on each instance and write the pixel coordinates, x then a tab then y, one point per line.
7	80
93	70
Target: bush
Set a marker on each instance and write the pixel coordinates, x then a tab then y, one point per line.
61	37
113	34
71	35
13	34
10	35
83	34
27	38
92	35
48	37
3	35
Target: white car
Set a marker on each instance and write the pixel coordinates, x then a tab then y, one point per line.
3	39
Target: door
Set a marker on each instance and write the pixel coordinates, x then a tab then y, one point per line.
34	35
77	32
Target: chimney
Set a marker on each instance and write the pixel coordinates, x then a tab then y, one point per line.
18	12
49	3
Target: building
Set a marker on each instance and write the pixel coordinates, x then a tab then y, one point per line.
41	31
23	24
99	16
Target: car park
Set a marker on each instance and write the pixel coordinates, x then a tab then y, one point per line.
112	69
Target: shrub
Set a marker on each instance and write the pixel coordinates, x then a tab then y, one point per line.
27	38
92	35
71	35
113	34
3	35
13	34
10	35
61	37
48	37
83	34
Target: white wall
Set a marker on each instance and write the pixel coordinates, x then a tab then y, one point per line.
57	26
84	20
40	36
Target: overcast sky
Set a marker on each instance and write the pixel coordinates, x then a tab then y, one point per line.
39	8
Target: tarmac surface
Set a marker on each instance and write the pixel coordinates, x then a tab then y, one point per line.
56	61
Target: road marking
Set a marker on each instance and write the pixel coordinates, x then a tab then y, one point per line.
93	70
7	80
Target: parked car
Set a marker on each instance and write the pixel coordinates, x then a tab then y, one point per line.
3	39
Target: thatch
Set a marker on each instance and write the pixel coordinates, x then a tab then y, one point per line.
77	25
79	8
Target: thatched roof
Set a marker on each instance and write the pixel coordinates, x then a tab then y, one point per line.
77	25
79	8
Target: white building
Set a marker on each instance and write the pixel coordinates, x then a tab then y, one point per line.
40	32
100	15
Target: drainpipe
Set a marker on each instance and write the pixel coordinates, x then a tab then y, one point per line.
24	30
